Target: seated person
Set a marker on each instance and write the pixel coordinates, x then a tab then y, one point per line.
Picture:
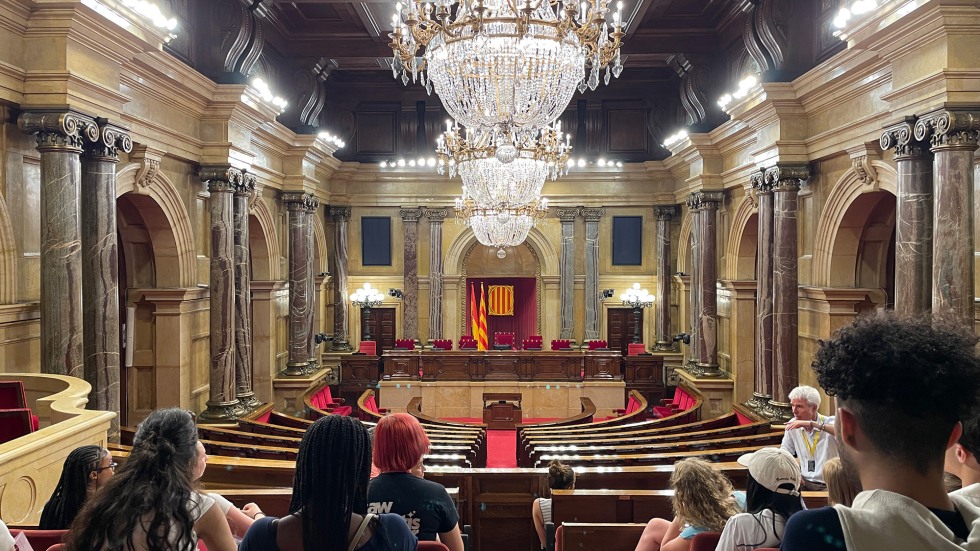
560	477
703	501
842	487
772	497
86	469
400	443
961	460
810	436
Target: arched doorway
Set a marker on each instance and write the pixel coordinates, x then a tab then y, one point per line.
517	276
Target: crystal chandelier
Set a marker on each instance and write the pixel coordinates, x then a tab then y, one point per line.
501	167
515	62
500	226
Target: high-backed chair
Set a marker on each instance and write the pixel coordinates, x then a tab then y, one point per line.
561	344
534	342
369	348
15	423
442	344
502	339
594	345
404	344
467	342
12	396
635	349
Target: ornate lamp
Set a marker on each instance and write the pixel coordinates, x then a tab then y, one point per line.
501	226
637	299
366	298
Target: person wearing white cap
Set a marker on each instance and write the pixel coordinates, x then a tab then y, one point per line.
772	497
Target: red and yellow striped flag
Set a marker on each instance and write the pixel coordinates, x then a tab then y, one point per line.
481	339
474	315
500	300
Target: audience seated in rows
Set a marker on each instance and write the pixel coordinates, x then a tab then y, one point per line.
86	470
400	443
893	428
560	477
842	487
329	508
703	501
810	436
150	503
772	496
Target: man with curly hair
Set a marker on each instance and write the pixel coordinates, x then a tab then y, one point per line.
962	461
902	385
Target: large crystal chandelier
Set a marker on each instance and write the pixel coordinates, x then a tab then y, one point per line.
515	62
501	225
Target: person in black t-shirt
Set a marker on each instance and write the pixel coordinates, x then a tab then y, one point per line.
400	443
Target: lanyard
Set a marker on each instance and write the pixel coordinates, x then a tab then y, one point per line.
812	448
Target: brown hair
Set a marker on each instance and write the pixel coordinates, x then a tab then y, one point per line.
560	476
841	487
702	494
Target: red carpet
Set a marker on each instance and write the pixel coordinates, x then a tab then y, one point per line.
501	448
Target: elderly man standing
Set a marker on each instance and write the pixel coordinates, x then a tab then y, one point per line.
810	436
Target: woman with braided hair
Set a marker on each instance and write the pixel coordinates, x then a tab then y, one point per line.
86	469
329	507
150	503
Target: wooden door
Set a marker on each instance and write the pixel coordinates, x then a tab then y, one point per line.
382	326
619	328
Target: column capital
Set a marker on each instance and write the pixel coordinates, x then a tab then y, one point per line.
64	131
340	214
111	140
900	137
665	212
950	128
436	216
221	177
568	215
246	185
592	214
705	200
300	201
410	215
787	177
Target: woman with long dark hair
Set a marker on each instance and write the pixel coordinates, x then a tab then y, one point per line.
150	503
86	469
560	477
329	506
772	497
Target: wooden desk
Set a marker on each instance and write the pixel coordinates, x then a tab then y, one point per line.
501	410
501	365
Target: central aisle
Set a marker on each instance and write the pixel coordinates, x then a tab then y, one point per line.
501	449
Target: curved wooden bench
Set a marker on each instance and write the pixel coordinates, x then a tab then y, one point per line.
762	440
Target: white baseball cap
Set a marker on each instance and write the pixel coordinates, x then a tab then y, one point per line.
773	467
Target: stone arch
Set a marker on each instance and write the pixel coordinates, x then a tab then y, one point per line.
263	243
8	257
684	243
319	244
743	242
464	242
173	239
836	246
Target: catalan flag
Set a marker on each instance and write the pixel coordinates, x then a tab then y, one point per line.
481	339
500	300
474	315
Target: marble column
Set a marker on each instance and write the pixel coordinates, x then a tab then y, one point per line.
913	219
592	216
436	217
313	361
341	216
100	272
709	201
222	405
244	193
60	138
762	386
694	286
661	323
410	296
298	206
566	283
785	181
953	136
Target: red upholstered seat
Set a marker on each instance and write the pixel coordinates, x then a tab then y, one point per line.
41	539
324	400
12	396
534	342
467	342
632	405
15	423
743	419
635	349
57	547
559	535
369	348
431	546
503	339
443	344
404	344
561	344
372	405
705	541
680	402
593	345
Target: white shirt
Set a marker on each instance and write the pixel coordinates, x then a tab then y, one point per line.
971	492
879	519
746	531
795	442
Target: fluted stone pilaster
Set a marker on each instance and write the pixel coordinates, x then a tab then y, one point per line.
592	216
762	389
705	204
243	294
222	405
436	217
410	294
661	323
60	138
566	283
341	216
100	270
953	136
313	362
694	311
299	207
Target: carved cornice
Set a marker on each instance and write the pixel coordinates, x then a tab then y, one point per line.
111	140
900	137
410	215
59	131
787	177
300	201
705	200
340	214
149	160
436	216
861	162
950	128
591	214
568	215
665	212
221	178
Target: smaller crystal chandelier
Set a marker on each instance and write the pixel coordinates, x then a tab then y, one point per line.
502	225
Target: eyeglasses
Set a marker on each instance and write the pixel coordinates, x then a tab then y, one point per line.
112	465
